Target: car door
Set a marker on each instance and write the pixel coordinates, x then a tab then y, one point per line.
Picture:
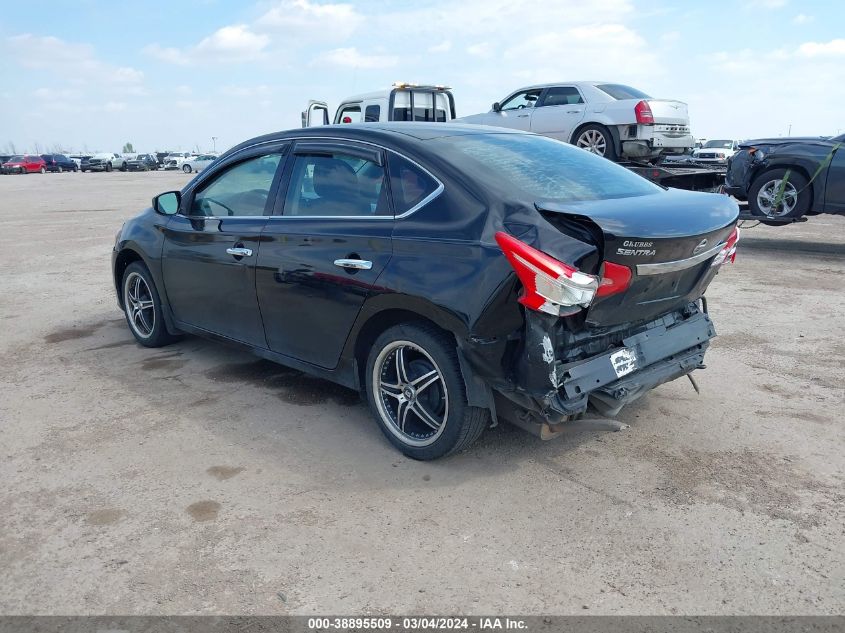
516	111
212	245
558	112
316	113
324	250
835	188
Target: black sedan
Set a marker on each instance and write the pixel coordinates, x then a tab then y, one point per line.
786	178
449	273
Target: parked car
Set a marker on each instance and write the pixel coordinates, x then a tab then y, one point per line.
24	164
142	162
715	152
402	102
786	178
175	161
499	272
59	163
607	119
105	161
79	158
198	163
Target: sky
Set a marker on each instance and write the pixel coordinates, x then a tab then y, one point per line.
207	74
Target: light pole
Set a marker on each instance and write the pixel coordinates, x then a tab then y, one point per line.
214	144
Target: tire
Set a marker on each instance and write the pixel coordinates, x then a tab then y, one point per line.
108	167
43	170
596	139
432	378
145	323
123	166
186	169
796	194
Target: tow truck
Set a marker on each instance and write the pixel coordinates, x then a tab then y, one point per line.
405	101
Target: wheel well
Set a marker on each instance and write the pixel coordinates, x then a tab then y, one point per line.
124	258
377	324
796	168
614	134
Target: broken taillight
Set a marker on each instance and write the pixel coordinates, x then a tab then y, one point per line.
553	287
728	252
643	112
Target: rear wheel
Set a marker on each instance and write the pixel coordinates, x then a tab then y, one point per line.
186	169
43	170
108	167
142	307
60	170
779	193
416	392
596	139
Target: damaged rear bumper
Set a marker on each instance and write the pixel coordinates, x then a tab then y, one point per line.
639	360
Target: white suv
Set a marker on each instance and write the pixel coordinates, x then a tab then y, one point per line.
608	119
716	151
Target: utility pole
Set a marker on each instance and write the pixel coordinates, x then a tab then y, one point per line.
214	144
789	131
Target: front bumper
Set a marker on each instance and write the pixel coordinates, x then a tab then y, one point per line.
95	167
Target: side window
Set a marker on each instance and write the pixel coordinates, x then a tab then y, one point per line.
372	114
562	95
336	185
520	100
241	190
350	114
409	184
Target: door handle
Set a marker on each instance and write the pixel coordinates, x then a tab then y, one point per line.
239	252
357	264
574	111
521	116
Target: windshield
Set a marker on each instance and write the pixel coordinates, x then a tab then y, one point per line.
619	92
15	159
543	168
720	144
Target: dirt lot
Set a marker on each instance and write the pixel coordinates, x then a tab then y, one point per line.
197	479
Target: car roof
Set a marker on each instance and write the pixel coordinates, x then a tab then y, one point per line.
567	83
378	132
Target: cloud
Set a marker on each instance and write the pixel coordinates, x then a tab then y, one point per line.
444	47
802	18
833	48
351	58
229	44
482	49
301	19
75	62
765	4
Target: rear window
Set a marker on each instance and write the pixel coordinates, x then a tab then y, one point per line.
619	92
543	168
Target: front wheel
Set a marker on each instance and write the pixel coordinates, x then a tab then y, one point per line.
142	307
596	139
186	169
779	193
108	167
416	392
43	170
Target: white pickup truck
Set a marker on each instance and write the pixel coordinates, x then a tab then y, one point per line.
401	102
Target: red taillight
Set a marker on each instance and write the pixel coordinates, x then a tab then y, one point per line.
548	285
728	252
643	112
614	278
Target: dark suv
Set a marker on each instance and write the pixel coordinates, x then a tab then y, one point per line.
59	163
450	273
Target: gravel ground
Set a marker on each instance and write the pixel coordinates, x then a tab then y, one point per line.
198	479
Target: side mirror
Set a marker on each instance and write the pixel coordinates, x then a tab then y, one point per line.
167	203
496	107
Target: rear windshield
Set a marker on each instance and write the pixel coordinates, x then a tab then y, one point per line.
718	144
619	92
544	169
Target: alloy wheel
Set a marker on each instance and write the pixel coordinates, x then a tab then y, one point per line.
139	305
767	198
410	393
593	141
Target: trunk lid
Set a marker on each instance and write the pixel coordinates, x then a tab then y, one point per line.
667	111
667	239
